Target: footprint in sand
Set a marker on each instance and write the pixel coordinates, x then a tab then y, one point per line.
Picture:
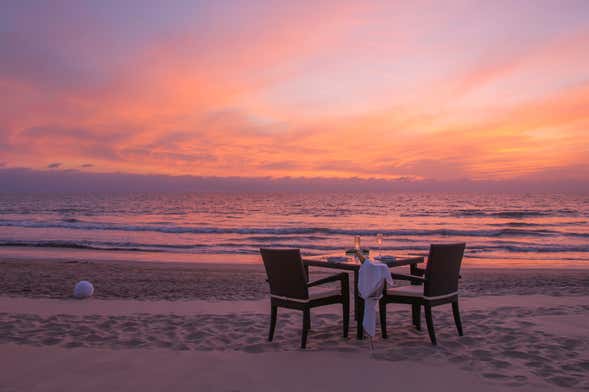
482	355
517	354
94	338
495	376
500	364
563	381
51	341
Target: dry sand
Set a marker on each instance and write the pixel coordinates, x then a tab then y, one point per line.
204	327
166	370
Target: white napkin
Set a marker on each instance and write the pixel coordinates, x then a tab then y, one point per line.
371	281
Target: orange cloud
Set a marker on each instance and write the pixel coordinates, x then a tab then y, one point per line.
336	92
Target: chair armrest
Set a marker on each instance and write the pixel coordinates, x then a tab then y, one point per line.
421	271
412	278
342	277
416	271
333	278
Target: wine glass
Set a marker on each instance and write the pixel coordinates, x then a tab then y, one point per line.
379	238
357	246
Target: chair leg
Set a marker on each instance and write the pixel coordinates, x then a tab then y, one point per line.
382	311
273	314
457	321
346	316
430	323
416	315
359	328
306	323
345	291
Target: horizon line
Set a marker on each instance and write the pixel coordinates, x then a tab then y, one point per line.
73	180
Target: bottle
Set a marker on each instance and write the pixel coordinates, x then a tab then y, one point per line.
357	243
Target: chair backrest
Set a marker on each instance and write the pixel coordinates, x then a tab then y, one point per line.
286	273
443	269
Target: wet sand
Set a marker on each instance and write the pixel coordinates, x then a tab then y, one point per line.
230	282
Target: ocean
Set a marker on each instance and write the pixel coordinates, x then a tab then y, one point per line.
538	229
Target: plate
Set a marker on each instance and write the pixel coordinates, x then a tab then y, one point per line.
337	259
386	258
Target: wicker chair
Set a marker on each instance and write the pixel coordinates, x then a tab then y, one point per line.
289	288
440	286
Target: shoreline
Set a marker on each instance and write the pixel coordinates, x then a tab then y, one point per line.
109	256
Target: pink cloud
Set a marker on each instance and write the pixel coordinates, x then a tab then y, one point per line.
333	89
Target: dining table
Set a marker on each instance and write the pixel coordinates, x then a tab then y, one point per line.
347	262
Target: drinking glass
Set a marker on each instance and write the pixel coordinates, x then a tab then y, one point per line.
379	238
356	246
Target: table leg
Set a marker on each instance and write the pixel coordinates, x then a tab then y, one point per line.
413	270
358	308
356	295
360	328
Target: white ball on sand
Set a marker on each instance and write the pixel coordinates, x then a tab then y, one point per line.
83	289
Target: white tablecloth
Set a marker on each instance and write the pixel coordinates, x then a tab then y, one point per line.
371	281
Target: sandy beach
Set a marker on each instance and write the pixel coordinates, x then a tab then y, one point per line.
203	327
164	163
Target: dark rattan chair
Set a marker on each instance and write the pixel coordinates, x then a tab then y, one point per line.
289	288
440	286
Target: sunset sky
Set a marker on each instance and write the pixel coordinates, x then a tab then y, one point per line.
478	90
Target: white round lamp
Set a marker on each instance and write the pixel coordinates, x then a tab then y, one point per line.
83	289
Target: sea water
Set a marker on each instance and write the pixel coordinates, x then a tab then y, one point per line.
536	228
